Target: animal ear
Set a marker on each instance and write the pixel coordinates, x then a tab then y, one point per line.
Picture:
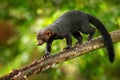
48	32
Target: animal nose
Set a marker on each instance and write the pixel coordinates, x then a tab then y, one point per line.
40	42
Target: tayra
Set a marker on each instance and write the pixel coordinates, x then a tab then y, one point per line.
72	23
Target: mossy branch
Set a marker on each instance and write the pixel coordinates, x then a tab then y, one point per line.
43	64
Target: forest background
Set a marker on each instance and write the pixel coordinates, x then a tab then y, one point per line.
21	19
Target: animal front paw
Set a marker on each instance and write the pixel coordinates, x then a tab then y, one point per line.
46	55
66	48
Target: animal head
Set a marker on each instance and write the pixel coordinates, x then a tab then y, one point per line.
43	36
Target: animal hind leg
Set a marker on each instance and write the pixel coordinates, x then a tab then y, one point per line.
92	33
87	29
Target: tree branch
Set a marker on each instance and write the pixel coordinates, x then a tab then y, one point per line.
43	64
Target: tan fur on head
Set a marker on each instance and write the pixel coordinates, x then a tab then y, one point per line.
43	36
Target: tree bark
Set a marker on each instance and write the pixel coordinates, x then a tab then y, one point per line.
43	64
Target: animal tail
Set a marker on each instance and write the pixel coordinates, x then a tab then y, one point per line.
107	38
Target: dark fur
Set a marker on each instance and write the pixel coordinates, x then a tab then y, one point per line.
72	23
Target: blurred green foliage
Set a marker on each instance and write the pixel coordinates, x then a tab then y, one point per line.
21	19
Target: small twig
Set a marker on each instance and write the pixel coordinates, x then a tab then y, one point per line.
43	64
